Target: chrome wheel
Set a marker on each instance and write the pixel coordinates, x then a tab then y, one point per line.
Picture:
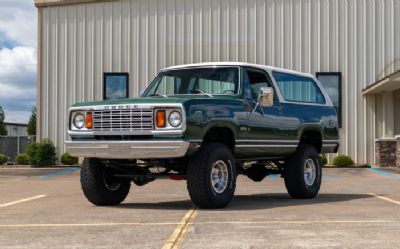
219	176
310	172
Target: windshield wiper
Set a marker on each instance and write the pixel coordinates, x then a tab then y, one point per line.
158	95
196	90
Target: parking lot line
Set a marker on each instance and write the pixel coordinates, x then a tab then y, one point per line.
385	173
180	232
384	198
58	173
22	200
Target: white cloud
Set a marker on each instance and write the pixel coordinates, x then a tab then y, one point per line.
18	21
18	38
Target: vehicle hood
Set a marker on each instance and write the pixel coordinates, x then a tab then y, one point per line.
155	100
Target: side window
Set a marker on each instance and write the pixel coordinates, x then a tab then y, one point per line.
298	88
256	79
116	86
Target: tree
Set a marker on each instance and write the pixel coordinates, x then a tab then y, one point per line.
32	123
3	130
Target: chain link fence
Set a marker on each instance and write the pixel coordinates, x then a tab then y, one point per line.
12	146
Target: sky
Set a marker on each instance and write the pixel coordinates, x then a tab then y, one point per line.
18	45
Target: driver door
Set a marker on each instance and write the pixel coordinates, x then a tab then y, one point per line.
262	122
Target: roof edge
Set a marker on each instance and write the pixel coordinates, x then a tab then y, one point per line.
50	3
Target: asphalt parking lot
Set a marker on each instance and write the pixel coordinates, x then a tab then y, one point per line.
356	208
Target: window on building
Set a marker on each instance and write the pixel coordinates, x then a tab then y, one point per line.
298	88
332	82
116	86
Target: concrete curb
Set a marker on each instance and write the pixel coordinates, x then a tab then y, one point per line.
31	167
347	167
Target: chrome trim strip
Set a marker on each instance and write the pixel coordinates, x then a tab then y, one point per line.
140	149
267	145
267	141
330	141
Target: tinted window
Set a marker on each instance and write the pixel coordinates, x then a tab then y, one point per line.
298	88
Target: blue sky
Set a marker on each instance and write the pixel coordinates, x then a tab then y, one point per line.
18	20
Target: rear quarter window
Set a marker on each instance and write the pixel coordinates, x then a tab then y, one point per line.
298	88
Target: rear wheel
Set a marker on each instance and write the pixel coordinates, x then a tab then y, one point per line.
100	186
211	176
303	173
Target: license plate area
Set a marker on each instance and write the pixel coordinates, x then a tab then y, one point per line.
120	149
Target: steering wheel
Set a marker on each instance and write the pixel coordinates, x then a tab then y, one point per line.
227	91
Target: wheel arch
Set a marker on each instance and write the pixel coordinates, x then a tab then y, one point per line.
313	137
220	133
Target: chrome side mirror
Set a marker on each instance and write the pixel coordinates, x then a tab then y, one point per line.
266	97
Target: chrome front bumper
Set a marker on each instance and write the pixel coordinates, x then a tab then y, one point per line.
144	149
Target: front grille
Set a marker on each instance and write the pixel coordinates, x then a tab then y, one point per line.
134	119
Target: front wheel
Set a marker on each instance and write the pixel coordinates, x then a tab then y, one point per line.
303	173
100	186
211	176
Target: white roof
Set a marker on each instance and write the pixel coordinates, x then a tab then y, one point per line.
228	63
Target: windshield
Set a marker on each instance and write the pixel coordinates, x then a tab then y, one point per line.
200	81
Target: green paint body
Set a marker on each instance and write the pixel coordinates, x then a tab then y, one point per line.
281	122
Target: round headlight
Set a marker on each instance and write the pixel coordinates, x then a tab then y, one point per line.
175	118
79	121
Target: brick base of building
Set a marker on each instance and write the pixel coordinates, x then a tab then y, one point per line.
387	152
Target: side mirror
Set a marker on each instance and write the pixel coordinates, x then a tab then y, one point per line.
266	98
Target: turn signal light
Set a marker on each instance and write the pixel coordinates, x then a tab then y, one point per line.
89	120
161	119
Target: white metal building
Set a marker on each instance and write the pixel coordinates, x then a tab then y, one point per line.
16	129
351	44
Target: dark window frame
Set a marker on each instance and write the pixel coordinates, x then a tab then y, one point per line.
339	74
106	74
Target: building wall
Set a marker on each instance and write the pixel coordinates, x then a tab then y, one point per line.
16	129
77	43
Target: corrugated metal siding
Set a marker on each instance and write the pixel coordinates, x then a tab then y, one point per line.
79	42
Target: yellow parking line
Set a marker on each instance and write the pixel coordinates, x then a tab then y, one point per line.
180	232
22	200
384	198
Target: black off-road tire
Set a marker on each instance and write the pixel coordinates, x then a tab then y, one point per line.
94	185
294	173
199	182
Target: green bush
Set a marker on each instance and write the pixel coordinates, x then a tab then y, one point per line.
323	159
41	154
67	159
343	160
3	159
23	159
